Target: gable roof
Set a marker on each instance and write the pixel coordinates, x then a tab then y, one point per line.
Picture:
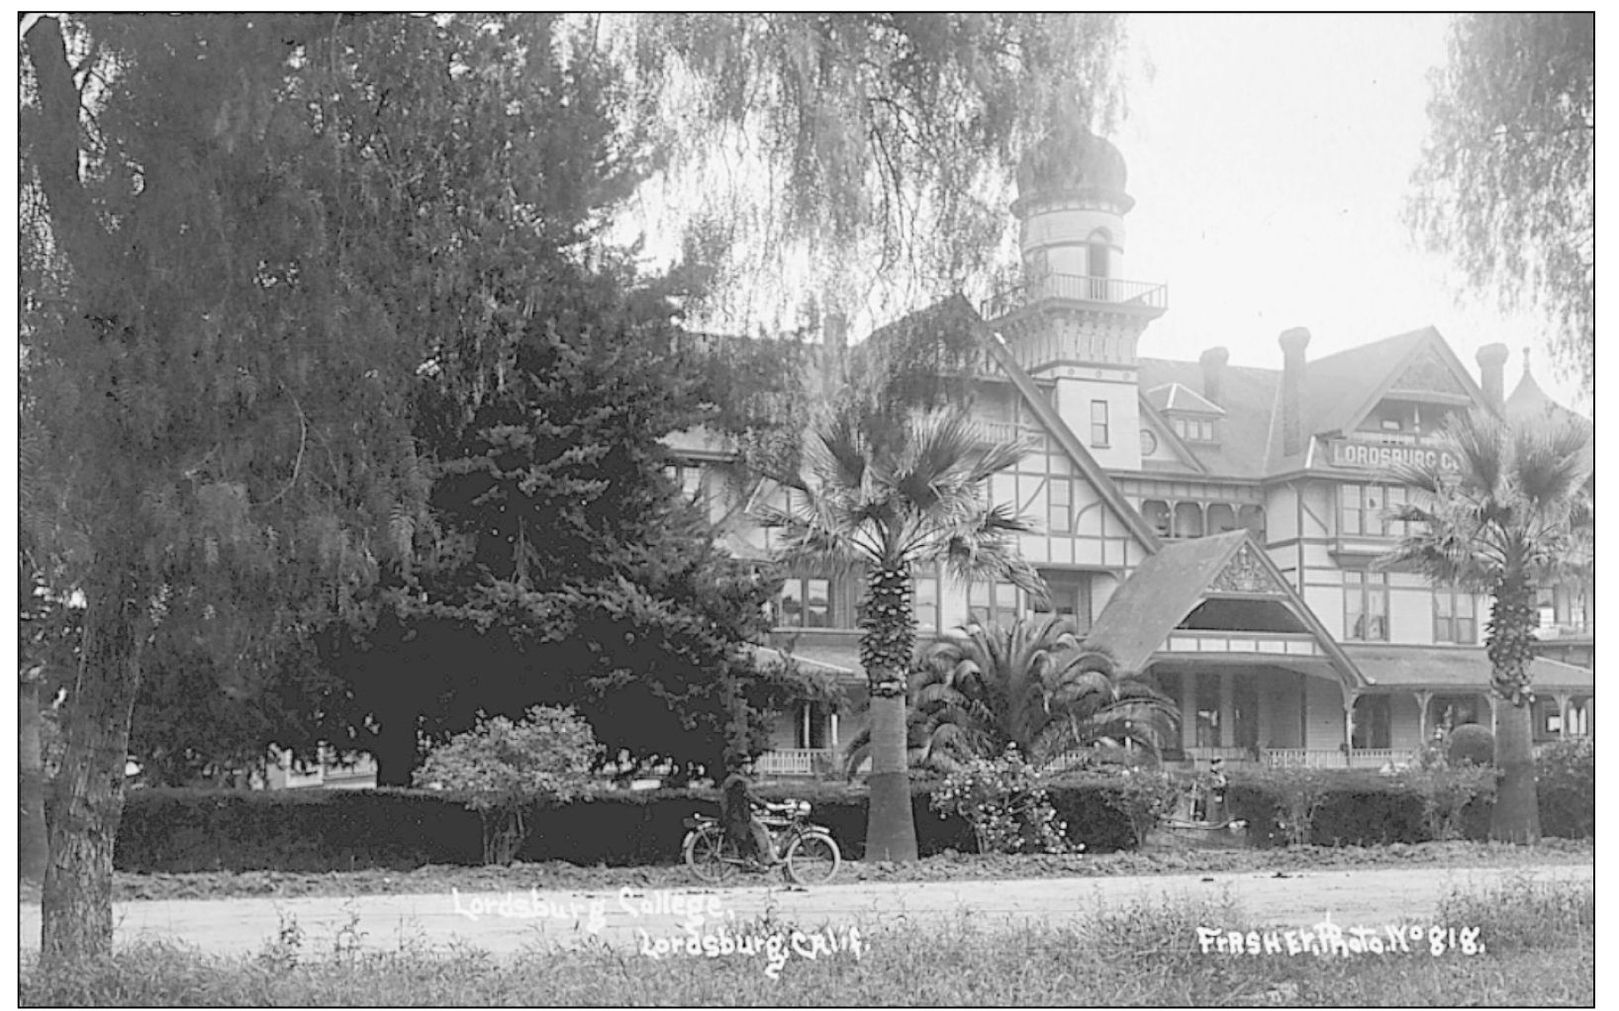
1165	588
1048	417
1175	397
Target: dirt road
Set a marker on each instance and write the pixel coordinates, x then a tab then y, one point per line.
511	921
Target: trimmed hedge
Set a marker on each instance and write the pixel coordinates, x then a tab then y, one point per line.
338	830
166	830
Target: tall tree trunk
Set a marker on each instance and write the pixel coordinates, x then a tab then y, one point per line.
885	650
890	823
1516	815
32	850
1510	645
87	795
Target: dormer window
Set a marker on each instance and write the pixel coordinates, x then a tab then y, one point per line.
1195	429
1193	417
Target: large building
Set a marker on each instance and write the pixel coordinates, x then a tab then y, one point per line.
1213	525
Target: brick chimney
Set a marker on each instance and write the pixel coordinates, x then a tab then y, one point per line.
1293	343
1213	361
1492	358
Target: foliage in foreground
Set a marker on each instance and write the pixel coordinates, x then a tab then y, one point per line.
504	767
1144	952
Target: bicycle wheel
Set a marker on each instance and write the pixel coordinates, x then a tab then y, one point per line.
813	859
710	855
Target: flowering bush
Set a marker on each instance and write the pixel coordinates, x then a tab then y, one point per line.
1006	805
1146	797
502	766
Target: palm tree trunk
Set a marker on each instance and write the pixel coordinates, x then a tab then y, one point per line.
885	650
1516	816
32	851
87	795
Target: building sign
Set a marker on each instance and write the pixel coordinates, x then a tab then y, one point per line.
1371	456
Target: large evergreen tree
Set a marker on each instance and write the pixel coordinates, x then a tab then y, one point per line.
242	238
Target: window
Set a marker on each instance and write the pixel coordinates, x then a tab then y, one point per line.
1252	518
1371	719
1365	510
1208	711
1149	443
1195	429
1099	423
1366	606
1222	518
1455	617
806	602
1069	597
1448	712
1157	514
925	599
1060	503
1245	713
992	604
1188	519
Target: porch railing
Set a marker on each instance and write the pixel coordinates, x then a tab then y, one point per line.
797	762
1335	758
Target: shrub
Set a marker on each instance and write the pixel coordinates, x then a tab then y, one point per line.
1287	798
1145	798
1006	805
1446	793
1470	744
1565	774
502	768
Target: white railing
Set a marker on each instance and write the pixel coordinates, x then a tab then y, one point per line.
1334	758
1074	287
797	762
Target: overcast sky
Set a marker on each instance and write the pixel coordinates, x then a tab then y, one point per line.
1269	156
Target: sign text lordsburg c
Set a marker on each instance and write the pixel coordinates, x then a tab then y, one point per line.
1348	453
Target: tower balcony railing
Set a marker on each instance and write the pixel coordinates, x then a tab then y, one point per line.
1147	295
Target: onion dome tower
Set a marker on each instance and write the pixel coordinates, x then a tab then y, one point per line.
1076	318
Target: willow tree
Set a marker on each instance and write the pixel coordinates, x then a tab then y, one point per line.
1506	183
867	155
1515	516
245	239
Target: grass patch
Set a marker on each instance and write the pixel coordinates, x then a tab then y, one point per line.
1541	951
944	867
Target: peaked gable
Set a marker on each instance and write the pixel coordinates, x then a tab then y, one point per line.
1428	370
1163	591
1052	422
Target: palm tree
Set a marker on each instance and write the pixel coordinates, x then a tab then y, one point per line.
1033	684
1514	516
887	493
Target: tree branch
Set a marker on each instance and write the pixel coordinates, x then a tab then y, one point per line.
55	150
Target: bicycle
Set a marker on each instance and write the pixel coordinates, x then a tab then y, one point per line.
810	856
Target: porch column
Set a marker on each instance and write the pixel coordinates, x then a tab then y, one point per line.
809	717
1424	696
1494	717
1189	709
1562	714
1228	709
834	729
1349	696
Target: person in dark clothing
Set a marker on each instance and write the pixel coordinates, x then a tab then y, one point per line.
738	815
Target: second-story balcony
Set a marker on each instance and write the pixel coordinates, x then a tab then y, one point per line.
1147	297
